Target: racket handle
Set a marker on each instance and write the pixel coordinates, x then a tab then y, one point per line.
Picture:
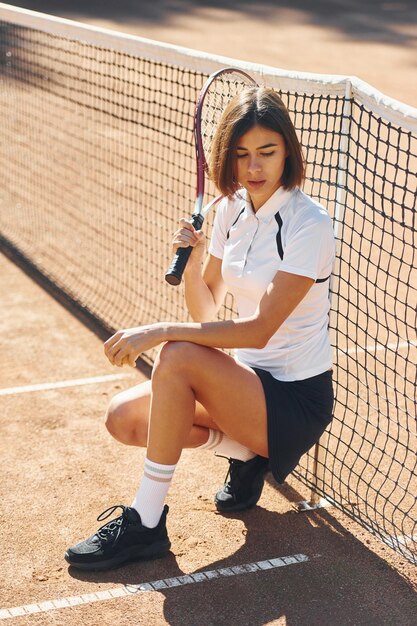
177	267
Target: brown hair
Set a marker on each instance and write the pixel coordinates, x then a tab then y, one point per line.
253	106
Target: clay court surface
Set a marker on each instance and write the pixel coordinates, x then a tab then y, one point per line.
270	565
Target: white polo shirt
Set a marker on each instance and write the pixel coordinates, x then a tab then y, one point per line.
293	233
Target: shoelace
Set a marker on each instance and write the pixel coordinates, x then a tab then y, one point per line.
111	530
234	464
234	467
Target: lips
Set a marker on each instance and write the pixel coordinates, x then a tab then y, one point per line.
256	184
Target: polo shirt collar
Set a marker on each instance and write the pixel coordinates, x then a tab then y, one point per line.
275	203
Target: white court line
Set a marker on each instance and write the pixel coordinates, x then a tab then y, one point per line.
156	585
75	382
376	347
404	539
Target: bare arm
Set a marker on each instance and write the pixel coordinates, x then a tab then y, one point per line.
204	286
204	289
284	293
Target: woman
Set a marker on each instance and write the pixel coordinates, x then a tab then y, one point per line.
272	247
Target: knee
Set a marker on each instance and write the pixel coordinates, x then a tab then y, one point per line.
123	424
115	417
175	357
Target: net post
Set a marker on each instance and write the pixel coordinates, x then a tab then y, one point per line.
316	500
342	170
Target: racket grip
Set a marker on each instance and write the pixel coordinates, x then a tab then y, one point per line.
177	267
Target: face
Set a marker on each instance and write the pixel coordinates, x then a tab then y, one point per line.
260	161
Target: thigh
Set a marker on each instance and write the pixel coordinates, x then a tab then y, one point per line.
230	392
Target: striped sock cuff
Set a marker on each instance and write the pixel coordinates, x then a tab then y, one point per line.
224	446
214	439
158	472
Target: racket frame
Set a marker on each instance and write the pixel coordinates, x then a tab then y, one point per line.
177	267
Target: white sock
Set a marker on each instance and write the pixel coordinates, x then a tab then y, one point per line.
224	446
150	497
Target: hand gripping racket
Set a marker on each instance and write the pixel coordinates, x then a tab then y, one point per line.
216	93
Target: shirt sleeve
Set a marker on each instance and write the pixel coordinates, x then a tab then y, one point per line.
309	250
219	232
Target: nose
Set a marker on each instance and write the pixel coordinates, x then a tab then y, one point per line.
254	164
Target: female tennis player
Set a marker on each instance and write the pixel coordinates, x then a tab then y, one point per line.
272	247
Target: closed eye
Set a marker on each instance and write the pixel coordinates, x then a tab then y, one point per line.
240	155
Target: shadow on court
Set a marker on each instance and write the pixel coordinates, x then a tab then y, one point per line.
61	467
374	21
341	584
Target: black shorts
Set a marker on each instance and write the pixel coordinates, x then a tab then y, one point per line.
298	414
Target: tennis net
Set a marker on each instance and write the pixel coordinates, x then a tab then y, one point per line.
97	165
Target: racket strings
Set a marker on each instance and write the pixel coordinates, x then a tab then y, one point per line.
218	95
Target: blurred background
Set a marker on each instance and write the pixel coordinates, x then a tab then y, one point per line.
375	40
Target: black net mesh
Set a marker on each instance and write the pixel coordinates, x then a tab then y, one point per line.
97	164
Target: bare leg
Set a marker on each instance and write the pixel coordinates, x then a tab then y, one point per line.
231	394
193	388
127	418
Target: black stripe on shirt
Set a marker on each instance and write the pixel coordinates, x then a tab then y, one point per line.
280	248
228	232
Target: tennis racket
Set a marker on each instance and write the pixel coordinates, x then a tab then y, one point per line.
216	93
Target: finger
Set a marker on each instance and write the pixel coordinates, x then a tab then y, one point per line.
125	361
184	240
118	358
187	236
131	361
177	245
112	353
184	223
110	358
111	341
181	242
199	235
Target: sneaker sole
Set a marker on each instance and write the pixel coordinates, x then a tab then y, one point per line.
154	551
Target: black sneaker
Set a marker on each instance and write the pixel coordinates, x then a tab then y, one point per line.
243	485
121	540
